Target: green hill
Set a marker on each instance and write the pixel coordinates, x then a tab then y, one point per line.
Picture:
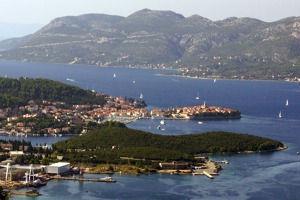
108	144
17	92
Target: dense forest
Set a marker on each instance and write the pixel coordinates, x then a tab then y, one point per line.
109	143
17	92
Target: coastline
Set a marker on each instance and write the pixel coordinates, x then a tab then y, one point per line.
133	170
227	79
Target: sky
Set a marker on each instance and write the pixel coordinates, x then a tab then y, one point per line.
43	11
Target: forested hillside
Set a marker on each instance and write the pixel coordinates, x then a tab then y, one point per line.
109	143
16	92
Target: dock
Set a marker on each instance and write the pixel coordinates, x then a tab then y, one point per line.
208	175
105	179
32	193
202	172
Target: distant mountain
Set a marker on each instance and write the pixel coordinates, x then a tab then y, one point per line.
232	48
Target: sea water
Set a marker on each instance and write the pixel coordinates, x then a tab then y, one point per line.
248	176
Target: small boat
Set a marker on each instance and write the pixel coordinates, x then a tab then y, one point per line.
298	153
200	122
69	79
215	80
287	102
197	97
279	115
32	192
107	178
158	127
114	75
162	122
133	81
141	96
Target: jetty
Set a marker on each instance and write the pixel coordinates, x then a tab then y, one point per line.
105	179
31	193
208	175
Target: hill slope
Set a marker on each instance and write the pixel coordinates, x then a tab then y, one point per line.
231	48
16	92
142	145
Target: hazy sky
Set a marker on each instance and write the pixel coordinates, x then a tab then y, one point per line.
43	11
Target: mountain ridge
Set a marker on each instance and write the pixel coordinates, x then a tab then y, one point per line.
244	48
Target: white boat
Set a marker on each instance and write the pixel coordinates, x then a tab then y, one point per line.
200	122
279	115
141	96
162	122
114	75
197	97
69	79
107	178
215	80
133	81
287	102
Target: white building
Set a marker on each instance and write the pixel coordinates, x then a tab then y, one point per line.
58	168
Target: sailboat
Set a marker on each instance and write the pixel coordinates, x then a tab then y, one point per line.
287	102
197	97
141	96
115	75
279	115
133	81
215	80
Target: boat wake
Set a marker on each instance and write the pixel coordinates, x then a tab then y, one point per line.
69	79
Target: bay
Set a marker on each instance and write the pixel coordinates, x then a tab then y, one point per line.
254	176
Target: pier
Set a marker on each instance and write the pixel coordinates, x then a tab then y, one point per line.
105	179
208	175
31	193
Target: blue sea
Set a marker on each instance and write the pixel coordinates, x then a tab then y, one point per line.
248	176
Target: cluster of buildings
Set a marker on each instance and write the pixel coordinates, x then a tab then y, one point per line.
22	121
196	112
115	108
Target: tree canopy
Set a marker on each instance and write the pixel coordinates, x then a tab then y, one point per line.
107	144
16	92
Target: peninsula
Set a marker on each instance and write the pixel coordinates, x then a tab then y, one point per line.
201	112
41	107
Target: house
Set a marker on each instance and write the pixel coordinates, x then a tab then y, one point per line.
14	154
6	146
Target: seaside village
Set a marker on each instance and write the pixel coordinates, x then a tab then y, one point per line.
22	122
